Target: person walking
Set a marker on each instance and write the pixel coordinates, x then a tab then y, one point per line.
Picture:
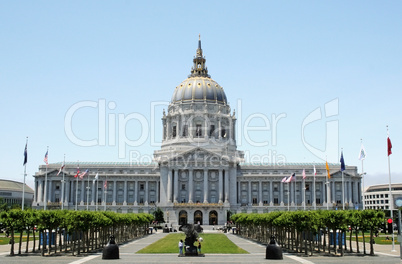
181	247
199	247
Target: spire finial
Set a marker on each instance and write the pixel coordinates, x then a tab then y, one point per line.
199	68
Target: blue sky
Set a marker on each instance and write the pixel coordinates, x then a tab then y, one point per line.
273	58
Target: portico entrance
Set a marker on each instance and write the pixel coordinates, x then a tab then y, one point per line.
213	217
198	217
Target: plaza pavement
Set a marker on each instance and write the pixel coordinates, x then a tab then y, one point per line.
257	255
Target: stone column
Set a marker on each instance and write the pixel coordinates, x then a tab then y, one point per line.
324	192
205	185
226	185
168	128
94	182
156	192
135	192
176	185
219	128
350	191
125	193
39	194
67	191
250	201
103	199
291	189
314	193
169	186
190	186
260	192
205	130
50	192
146	192
281	194
333	191
114	192
82	192
220	184
356	191
271	193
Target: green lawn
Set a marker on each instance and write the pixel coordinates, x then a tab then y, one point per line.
6	240
213	243
381	239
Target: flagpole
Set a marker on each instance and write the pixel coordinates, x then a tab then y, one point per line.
62	183
104	192
391	204
88	193
288	196
343	186
295	193
76	188
304	194
45	200
96	192
314	189
25	174
364	206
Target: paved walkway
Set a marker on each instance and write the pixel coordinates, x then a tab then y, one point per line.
257	255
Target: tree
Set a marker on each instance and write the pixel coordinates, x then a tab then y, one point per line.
158	215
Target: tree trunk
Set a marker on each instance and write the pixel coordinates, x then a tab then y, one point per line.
357	241
364	243
20	242
27	245
12	242
350	241
50	241
371	243
34	240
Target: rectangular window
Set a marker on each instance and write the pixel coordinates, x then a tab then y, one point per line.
198	131
183	186
211	130
141	186
174	132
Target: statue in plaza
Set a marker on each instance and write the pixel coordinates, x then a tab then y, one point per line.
191	232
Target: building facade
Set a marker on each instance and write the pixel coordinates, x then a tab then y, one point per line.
378	196
198	174
11	193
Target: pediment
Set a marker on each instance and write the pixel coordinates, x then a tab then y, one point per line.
196	155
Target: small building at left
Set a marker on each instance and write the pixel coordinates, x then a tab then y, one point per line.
11	193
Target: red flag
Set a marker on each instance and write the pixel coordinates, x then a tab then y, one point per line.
78	171
389	146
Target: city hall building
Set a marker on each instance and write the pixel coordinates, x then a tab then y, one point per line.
198	175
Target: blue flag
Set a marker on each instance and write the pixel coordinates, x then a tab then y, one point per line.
26	153
342	162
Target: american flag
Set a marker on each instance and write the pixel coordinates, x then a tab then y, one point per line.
105	184
304	174
46	159
82	174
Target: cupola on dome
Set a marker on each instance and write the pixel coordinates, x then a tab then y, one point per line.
199	86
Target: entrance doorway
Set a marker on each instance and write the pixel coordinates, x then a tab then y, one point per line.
213	218
198	217
182	217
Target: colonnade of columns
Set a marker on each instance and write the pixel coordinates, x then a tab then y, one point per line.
173	184
295	189
100	191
